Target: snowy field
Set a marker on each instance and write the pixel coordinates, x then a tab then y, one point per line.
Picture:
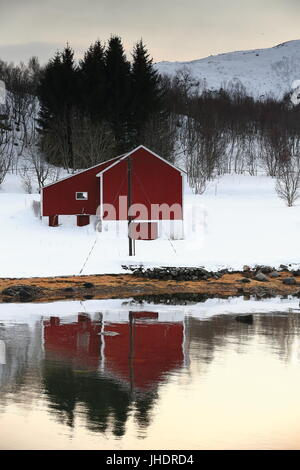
239	220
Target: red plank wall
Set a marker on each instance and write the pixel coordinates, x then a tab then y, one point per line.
153	182
59	198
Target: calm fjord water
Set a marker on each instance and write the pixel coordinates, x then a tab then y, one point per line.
157	379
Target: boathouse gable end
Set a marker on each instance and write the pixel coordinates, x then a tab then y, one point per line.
154	182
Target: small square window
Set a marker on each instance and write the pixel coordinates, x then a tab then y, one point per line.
82	196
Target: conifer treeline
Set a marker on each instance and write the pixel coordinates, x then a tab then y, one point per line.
102	106
105	105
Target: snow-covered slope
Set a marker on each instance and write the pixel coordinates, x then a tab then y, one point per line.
262	72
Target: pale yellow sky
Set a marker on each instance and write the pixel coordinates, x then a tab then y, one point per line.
172	29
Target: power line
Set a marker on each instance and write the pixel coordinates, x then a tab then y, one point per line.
88	256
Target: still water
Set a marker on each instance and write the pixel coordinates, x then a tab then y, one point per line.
120	375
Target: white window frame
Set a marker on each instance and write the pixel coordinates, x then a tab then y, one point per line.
80	198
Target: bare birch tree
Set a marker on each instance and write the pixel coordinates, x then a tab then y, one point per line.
93	142
6	146
288	181
204	148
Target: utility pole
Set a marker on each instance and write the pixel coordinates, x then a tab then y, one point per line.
129	203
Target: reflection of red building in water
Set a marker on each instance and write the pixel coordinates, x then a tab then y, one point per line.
144	351
79	342
138	352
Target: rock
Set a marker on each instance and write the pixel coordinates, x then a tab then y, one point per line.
290	281
23	293
245	280
261	277
178	274
274	274
224	271
283	267
246	268
69	289
88	285
264	269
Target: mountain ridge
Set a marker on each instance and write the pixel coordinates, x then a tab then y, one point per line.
261	73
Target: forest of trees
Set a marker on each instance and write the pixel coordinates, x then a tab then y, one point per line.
73	115
226	131
101	107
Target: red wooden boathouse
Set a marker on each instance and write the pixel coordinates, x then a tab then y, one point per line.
153	182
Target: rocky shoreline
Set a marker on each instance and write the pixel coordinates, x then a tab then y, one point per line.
165	284
258	273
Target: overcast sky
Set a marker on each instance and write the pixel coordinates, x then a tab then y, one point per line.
172	29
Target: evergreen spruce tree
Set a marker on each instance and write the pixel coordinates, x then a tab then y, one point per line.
59	99
146	96
152	122
93	82
49	91
71	100
118	92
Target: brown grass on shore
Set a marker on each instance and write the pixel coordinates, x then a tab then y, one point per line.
127	285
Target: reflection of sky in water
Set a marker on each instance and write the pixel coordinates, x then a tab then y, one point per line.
147	378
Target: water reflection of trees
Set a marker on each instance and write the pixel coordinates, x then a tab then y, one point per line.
277	330
106	402
110	371
280	332
77	384
64	361
23	351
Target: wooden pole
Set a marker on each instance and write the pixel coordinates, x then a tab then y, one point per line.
129	203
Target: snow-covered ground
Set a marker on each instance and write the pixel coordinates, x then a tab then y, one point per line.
262	72
239	220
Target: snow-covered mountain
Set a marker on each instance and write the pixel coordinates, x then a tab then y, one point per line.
262	72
